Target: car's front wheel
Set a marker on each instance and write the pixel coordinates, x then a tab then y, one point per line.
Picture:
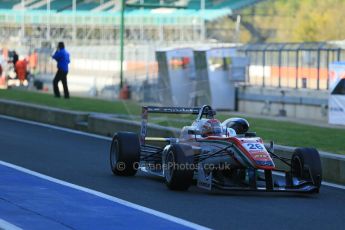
306	165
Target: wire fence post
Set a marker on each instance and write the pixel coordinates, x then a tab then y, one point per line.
318	69
122	28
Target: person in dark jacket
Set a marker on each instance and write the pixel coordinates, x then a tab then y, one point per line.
62	58
15	58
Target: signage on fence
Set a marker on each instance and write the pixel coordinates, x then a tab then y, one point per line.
336	106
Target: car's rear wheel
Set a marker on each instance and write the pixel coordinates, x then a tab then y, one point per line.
178	167
306	165
125	154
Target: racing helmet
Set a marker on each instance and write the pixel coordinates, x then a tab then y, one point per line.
240	125
210	127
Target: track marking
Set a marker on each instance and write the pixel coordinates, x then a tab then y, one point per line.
109	139
108	197
8	226
333	185
56	127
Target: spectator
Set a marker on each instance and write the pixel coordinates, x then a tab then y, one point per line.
1	69
2	79
21	69
15	58
14	61
62	58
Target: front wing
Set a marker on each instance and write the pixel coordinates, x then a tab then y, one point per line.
281	183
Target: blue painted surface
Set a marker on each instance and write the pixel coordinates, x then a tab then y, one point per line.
30	202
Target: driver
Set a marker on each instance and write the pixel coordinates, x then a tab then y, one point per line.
211	127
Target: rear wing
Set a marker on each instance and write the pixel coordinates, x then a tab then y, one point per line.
204	110
171	110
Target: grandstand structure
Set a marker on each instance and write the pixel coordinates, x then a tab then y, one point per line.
91	30
96	22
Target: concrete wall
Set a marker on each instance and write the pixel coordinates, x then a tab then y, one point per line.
294	103
108	125
65	118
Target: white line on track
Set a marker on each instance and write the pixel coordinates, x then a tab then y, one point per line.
8	226
55	127
107	138
333	185
108	197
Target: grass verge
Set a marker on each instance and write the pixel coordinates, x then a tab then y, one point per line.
74	103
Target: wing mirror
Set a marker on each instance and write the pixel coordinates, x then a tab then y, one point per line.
270	149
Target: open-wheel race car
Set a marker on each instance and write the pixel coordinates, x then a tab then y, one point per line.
218	156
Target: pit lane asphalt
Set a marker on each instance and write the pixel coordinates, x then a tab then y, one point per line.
84	161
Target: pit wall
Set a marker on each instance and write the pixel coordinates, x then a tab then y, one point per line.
293	103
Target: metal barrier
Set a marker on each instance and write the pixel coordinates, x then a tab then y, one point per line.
291	65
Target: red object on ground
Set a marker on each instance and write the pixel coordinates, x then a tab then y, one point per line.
124	92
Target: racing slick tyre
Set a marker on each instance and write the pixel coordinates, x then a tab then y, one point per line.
306	165
178	167
125	154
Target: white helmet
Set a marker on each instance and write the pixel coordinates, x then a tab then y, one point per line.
210	127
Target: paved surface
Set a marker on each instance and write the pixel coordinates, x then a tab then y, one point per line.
34	202
83	160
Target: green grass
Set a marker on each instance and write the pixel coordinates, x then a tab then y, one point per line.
74	103
284	133
292	134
